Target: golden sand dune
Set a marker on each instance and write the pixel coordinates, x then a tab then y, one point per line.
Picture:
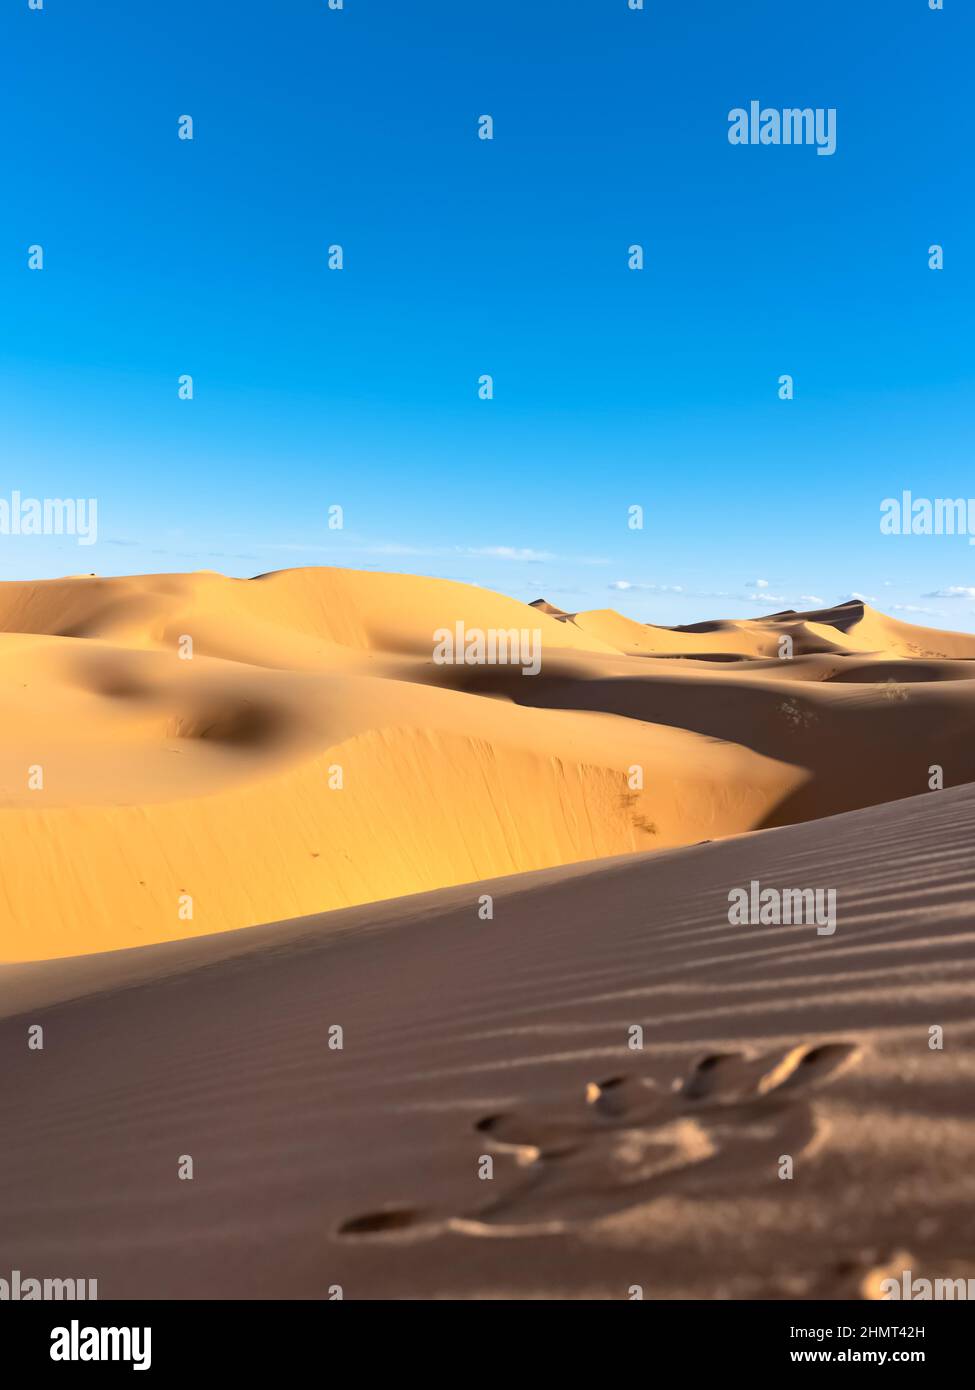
613	1168
849	627
310	755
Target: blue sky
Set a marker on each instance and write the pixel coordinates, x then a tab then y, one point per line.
462	256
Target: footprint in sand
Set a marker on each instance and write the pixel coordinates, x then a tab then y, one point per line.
628	1140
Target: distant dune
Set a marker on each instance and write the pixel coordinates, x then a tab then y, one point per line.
147	797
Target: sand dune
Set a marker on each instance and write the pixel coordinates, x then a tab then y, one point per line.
146	797
509	1039
212	864
849	627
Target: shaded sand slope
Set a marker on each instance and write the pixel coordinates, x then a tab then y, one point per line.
485	1045
862	736
312	756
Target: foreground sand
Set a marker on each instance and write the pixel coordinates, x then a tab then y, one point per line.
465	1038
186	797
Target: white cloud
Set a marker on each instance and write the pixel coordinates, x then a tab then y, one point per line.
757	584
622	585
357	545
507	552
953	591
812	598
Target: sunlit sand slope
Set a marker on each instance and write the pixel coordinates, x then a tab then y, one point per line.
187	754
